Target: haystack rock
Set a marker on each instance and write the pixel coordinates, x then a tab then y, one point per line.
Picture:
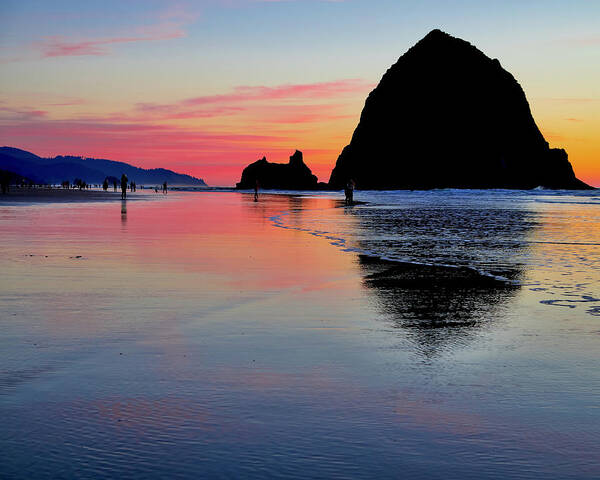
447	116
294	175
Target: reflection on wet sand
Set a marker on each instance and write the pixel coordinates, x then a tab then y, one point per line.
452	268
439	307
215	334
123	211
444	303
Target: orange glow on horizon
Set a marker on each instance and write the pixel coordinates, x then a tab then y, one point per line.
209	136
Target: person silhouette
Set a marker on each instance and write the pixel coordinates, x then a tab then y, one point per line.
256	185
5	180
349	191
165	187
123	186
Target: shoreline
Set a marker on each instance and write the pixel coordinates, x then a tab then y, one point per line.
30	195
60	195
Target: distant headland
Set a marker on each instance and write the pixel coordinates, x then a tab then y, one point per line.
52	171
444	116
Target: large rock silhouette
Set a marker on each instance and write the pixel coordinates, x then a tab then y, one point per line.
447	116
294	175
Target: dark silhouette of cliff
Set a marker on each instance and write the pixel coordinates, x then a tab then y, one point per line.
294	175
447	116
91	170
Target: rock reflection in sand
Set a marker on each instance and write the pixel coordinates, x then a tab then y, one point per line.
439	307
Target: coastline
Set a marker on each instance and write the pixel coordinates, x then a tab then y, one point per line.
60	195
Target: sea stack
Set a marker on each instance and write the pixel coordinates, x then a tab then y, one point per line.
447	116
294	175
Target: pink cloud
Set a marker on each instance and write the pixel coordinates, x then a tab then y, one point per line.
299	114
265	104
280	114
20	114
322	90
145	111
169	25
58	46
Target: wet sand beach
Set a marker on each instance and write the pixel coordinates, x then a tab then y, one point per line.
60	195
206	335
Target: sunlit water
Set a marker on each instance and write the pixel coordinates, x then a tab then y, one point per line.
202	335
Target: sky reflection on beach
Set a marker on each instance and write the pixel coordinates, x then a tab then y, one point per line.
211	335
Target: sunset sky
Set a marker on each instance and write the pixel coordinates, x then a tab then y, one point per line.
206	87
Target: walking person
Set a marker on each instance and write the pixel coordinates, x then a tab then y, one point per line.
123	186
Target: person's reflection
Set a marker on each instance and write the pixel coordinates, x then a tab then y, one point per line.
123	211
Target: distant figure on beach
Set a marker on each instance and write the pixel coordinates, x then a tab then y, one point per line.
256	185
349	191
115	184
5	180
165	187
123	186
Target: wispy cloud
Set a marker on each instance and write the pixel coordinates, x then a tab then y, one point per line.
148	111
21	114
320	90
290	103
299	114
168	24
67	102
60	46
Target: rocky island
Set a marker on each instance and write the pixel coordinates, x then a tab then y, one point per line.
447	116
294	175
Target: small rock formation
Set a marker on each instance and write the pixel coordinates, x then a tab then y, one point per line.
447	116
294	175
